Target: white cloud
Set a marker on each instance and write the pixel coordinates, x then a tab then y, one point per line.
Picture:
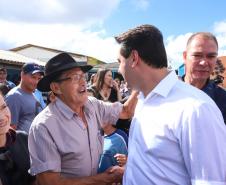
141	4
220	27
60	24
67	25
82	12
175	45
58	36
220	32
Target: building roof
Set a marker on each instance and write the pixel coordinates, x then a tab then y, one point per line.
13	57
41	47
90	60
112	66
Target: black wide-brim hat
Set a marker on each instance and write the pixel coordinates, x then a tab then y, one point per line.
55	66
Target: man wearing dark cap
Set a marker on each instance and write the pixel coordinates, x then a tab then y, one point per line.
65	139
21	100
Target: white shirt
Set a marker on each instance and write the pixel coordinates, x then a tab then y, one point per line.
177	136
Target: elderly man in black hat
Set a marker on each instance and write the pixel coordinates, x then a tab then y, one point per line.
65	139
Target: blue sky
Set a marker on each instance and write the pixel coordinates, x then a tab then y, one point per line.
88	26
173	17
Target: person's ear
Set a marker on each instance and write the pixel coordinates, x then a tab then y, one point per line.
135	58
184	56
55	88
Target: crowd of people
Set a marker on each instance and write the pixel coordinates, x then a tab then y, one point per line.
150	128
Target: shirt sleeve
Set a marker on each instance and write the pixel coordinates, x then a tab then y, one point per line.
202	140
106	161
44	155
39	97
108	112
14	104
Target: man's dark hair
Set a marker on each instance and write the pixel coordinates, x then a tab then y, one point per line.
148	41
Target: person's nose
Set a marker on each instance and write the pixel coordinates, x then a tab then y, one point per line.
203	61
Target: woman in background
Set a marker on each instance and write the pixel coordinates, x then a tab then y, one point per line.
105	88
115	149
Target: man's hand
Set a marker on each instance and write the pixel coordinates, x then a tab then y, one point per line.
121	159
116	172
129	106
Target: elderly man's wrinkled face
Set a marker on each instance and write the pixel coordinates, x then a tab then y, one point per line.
72	87
5	117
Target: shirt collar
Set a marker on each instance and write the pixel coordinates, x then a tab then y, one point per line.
67	111
64	109
164	86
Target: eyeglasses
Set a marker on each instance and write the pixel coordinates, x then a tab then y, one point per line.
76	78
200	56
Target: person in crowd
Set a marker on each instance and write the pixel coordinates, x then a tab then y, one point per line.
14	155
3	76
115	140
125	91
21	100
122	123
200	59
105	88
65	140
92	80
4	89
169	140
115	144
118	81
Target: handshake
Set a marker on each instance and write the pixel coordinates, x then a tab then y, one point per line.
115	174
